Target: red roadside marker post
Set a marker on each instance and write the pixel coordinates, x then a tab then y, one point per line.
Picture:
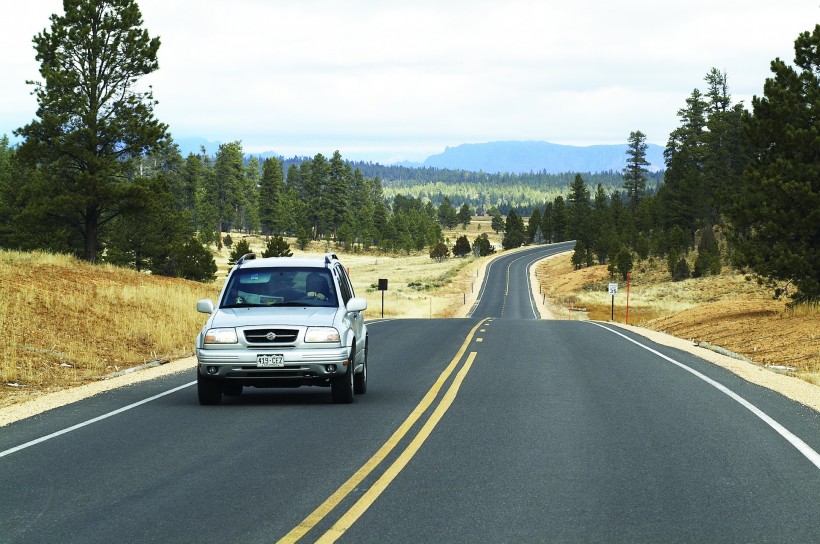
628	281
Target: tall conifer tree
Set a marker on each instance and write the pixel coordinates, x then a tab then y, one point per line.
92	120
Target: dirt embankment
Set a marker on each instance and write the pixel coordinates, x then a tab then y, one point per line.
769	343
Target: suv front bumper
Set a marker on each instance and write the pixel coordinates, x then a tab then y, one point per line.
301	367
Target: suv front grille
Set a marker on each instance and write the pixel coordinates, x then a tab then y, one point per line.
271	336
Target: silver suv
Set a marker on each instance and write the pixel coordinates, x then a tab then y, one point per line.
283	322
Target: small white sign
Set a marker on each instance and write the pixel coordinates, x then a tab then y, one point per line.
613	289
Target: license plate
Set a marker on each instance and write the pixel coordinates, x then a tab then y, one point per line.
270	361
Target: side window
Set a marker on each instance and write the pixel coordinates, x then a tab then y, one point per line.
344	284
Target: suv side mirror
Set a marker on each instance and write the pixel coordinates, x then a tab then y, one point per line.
356	304
205	306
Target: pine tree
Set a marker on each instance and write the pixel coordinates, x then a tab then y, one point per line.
315	176
336	197
226	184
775	217
465	215
559	219
93	120
447	215
380	211
534	227
682	194
708	259
242	248
193	173
579	211
547	223
193	261
514	233
277	247
635	172
271	187
497	222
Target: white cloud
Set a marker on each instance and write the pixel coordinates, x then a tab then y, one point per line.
404	79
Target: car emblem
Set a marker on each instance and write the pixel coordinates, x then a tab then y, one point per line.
271	336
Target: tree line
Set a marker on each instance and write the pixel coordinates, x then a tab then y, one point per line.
740	187
97	175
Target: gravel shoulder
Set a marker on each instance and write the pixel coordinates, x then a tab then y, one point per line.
56	399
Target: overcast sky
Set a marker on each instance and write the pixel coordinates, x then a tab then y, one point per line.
387	80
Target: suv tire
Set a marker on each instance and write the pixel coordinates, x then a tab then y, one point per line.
208	390
341	388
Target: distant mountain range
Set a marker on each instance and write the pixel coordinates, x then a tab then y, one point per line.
195	145
515	157
525	157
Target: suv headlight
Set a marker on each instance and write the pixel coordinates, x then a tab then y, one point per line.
220	336
322	334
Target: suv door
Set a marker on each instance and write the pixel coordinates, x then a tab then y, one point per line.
357	318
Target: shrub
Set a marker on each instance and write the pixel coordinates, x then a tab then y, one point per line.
483	246
440	252
194	262
624	260
242	248
681	271
462	247
277	247
708	261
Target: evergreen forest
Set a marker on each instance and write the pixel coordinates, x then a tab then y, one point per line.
98	176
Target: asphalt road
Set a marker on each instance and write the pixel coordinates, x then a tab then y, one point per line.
495	428
506	291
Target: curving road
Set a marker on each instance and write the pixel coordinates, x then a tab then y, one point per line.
506	291
495	428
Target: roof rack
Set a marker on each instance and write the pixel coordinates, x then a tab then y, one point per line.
245	257
329	256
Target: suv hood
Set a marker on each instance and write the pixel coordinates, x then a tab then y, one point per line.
233	317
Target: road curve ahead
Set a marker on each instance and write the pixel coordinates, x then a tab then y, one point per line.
485	429
506	291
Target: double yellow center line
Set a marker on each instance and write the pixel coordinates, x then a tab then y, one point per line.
370	496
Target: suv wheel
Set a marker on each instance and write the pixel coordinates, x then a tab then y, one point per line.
341	388
360	379
208	389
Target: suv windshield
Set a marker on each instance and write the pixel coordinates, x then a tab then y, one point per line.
280	286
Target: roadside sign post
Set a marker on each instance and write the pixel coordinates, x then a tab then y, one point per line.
382	288
613	290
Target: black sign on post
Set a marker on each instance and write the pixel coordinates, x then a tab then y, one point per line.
382	288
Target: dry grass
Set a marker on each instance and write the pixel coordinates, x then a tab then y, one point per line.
66	321
725	310
418	287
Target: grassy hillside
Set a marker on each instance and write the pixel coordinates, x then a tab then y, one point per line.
66	321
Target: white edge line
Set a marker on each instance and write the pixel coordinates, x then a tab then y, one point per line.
105	416
793	439
535	313
487	273
90	421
